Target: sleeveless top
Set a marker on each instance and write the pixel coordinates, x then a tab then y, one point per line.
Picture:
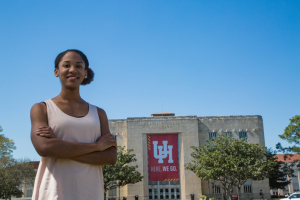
66	179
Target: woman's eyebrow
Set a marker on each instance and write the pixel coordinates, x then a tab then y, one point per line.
69	61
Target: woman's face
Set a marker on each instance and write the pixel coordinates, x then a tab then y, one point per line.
71	70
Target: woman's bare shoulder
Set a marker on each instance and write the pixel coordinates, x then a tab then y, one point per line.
39	109
101	112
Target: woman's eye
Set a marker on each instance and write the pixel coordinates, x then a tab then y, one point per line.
79	66
66	65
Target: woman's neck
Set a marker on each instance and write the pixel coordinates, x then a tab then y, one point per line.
70	95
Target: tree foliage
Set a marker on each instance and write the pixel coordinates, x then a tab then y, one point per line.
230	161
291	135
278	175
6	145
121	173
13	172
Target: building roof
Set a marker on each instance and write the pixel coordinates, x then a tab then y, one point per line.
35	164
288	157
162	114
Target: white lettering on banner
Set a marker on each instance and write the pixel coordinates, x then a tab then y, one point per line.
155	169
173	168
163	153
164	169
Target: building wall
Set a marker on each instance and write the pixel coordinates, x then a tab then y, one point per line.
252	124
294	186
185	127
118	127
192	131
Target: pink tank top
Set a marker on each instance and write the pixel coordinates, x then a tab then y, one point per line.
65	179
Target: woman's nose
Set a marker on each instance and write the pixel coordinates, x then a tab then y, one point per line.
72	68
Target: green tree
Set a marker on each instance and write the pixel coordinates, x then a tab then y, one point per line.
120	174
231	162
12	172
278	175
291	135
6	145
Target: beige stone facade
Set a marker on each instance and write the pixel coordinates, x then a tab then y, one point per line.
192	131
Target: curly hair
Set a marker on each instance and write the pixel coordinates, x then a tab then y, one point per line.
90	73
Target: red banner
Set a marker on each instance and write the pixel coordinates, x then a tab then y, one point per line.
163	157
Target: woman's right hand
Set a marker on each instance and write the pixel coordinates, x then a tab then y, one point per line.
45	131
106	141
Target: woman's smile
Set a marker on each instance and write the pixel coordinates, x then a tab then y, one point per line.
72	78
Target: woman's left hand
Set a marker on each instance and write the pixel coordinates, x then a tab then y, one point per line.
45	131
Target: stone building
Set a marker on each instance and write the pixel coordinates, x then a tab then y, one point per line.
294	186
142	135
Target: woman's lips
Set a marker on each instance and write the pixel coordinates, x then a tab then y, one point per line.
71	78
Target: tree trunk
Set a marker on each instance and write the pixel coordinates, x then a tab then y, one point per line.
104	195
239	193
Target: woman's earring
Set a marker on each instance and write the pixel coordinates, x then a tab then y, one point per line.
85	77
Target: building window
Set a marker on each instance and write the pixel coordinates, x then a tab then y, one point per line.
29	193
248	187
243	134
228	134
216	189
113	192
211	135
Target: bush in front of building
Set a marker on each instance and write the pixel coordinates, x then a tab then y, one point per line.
121	174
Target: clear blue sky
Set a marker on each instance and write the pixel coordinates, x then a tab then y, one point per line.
204	58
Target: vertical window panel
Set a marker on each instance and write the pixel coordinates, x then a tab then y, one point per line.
243	134
211	135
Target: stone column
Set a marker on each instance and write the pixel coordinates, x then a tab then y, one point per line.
24	189
291	186
298	175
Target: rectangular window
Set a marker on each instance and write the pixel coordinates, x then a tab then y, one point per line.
228	134
216	189
211	135
247	189
113	192
243	134
150	193
248	186
29	193
161	192
155	194
178	193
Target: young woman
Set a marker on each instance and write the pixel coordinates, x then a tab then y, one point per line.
72	137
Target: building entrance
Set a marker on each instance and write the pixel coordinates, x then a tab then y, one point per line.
163	167
164	190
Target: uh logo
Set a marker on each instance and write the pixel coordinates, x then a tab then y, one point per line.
163	153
